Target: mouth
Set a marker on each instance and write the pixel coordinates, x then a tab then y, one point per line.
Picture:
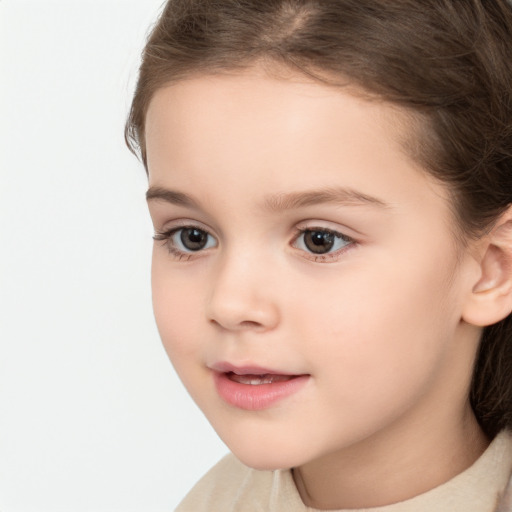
258	380
254	388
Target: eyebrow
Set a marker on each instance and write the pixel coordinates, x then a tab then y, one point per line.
281	202
336	195
170	196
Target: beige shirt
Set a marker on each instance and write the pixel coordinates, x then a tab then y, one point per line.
232	487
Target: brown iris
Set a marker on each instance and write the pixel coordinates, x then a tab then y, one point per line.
319	242
193	239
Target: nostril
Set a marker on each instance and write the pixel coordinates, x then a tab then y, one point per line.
245	324
249	324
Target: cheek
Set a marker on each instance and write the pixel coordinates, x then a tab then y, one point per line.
373	327
176	306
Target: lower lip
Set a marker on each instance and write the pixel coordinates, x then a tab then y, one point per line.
256	397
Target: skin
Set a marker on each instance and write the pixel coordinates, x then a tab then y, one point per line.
377	325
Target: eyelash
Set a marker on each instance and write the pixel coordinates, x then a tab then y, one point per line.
180	255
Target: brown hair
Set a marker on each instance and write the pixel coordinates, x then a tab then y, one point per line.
449	62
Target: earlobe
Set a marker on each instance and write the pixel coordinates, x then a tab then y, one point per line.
490	299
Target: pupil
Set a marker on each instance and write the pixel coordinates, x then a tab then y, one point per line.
193	239
319	242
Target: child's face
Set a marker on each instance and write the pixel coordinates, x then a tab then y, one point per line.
303	241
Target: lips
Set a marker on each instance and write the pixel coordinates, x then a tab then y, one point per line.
255	388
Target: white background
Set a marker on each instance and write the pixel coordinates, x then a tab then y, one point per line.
92	416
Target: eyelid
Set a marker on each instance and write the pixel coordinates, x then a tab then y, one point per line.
326	225
184	222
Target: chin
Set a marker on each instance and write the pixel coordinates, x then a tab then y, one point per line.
267	456
262	462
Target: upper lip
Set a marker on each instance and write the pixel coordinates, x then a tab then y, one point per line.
250	369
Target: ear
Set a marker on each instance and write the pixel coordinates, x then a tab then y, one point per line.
491	296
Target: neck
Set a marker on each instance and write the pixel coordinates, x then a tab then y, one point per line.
392	466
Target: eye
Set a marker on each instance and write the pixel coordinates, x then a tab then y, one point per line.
186	240
321	241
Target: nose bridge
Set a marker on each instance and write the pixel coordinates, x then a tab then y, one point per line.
241	297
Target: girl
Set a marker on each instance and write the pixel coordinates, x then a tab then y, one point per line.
330	184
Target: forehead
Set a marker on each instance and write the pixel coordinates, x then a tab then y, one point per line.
249	122
268	98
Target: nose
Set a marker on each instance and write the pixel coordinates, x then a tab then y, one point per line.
243	296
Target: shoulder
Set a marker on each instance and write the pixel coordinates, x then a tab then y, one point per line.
227	486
